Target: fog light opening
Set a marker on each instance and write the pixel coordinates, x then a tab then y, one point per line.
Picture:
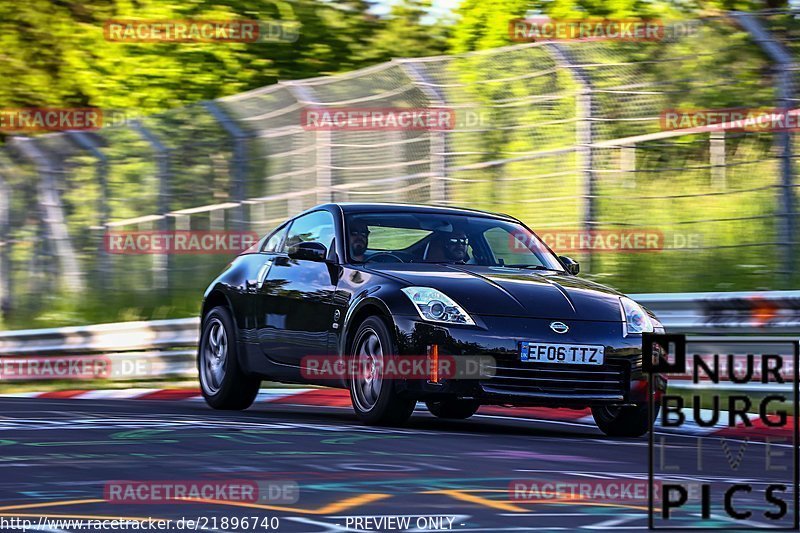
433	363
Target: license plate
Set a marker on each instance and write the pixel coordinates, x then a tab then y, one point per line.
567	354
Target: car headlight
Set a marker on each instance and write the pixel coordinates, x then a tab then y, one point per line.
635	320
436	306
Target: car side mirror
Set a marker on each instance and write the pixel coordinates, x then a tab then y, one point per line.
308	251
572	266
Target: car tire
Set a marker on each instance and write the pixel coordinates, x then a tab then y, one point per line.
453	408
375	400
625	421
222	381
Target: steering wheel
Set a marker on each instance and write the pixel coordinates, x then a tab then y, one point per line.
384	254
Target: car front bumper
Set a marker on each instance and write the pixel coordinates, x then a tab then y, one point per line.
618	381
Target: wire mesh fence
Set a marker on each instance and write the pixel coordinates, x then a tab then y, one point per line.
563	135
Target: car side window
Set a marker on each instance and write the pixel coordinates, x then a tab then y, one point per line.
313	227
274	242
509	248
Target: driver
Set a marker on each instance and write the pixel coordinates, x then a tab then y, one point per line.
450	247
455	247
359	240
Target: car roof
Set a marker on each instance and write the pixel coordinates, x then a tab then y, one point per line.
386	207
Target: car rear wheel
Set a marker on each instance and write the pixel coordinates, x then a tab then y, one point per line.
222	381
374	398
623	421
454	408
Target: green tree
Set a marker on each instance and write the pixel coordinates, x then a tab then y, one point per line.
406	34
56	54
483	24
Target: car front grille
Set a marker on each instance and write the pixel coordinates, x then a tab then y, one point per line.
607	381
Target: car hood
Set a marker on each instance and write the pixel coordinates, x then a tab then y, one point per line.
503	291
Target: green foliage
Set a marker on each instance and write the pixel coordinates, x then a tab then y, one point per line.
405	35
483	24
56	53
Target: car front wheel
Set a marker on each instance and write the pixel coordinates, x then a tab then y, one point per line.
222	381
623	421
374	397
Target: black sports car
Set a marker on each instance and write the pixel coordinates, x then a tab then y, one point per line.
339	293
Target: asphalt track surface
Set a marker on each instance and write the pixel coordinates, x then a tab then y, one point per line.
56	457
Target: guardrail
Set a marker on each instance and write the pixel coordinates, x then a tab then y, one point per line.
763	313
166	348
132	350
774	314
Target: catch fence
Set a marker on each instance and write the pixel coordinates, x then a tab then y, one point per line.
563	135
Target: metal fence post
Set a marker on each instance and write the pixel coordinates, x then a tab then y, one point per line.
717	159
5	245
53	212
785	88
438	138
162	270
627	165
238	162
584	139
89	143
324	164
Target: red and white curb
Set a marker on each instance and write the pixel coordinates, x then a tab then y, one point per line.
313	397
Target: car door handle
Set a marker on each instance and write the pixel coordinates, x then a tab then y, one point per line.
261	276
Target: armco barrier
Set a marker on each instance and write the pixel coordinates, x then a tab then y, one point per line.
121	336
732	313
160	348
774	314
169	345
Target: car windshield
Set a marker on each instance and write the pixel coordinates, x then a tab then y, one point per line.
409	237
